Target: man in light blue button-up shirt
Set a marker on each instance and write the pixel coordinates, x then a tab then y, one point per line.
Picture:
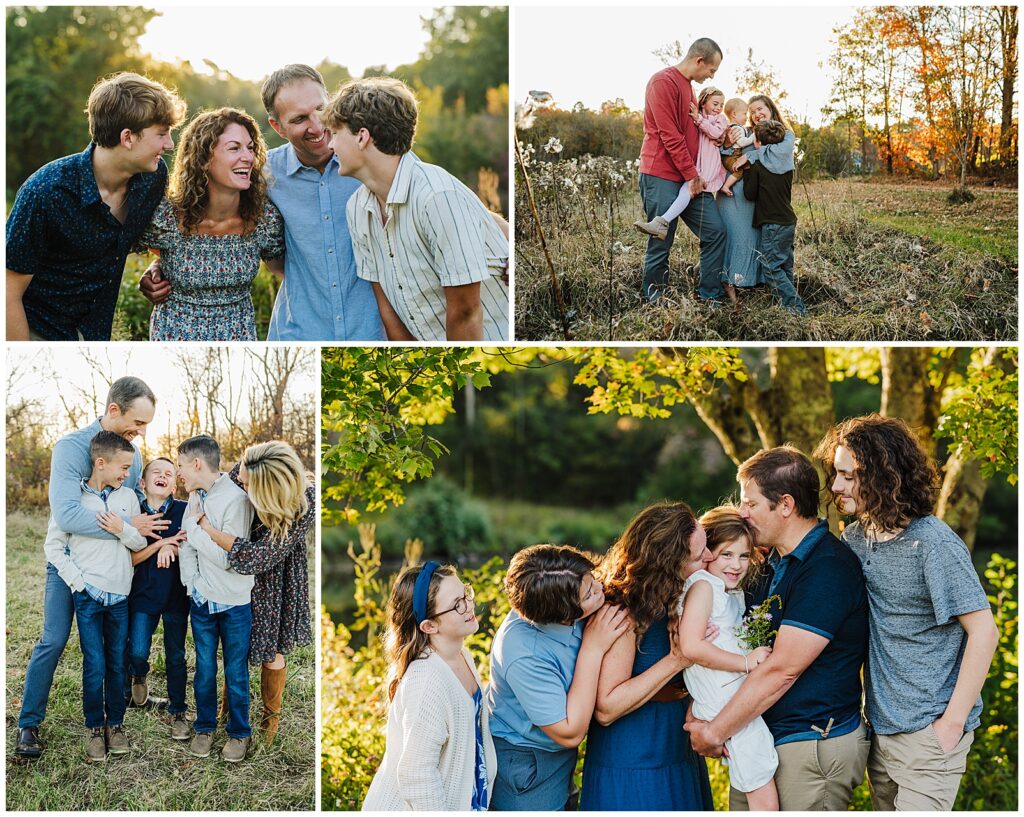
321	298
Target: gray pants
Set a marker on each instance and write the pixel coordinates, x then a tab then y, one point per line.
704	221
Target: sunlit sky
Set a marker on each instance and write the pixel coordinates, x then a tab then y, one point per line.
44	372
596	54
251	41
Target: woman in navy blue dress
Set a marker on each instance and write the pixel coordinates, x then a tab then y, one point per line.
638	755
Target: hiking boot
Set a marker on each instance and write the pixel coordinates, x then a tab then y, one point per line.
201	744
140	690
234	750
657	227
180	730
95	745
28	745
117	740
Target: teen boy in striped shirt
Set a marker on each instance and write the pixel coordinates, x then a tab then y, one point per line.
434	254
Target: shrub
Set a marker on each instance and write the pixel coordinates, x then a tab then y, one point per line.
440	514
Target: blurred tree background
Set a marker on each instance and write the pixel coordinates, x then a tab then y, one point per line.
55	54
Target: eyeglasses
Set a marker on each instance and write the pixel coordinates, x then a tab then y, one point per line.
462	605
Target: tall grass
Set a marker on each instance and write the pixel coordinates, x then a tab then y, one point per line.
862	278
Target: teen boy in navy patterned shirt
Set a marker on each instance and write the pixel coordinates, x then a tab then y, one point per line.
76	219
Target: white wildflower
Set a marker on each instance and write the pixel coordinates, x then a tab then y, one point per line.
553	146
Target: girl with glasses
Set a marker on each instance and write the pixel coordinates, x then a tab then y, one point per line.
439	755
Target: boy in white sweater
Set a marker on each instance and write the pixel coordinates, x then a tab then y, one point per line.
99	573
221	611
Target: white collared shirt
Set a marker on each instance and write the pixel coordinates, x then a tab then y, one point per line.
438	234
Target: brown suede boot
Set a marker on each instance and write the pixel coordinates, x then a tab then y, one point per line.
222	710
271	691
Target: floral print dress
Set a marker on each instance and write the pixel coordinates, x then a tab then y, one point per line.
280	596
210	275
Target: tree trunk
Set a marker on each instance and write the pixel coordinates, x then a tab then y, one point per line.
906	392
1008	38
963	490
799	399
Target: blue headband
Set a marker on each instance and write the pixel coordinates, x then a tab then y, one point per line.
421	590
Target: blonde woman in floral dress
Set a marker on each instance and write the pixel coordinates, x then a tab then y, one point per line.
213	229
284	499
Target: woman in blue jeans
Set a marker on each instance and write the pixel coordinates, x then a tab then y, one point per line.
638	755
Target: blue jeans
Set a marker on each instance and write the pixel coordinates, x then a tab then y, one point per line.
231	629
58	613
141	627
777	264
102	632
530	779
704	221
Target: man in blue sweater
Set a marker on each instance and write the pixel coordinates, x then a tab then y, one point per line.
130	408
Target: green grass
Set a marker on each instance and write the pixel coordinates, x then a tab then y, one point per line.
986	227
158	774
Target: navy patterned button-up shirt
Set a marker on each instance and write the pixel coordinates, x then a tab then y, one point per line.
63	234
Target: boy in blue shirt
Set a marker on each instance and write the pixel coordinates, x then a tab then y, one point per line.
157	592
99	572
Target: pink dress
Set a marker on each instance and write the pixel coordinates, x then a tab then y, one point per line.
709	157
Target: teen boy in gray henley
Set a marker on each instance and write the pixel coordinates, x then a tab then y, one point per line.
931	631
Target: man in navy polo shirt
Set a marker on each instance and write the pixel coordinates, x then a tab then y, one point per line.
809	690
74	221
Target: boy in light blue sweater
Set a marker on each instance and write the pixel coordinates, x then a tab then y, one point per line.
99	573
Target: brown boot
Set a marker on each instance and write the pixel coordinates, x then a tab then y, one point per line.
271	691
222	710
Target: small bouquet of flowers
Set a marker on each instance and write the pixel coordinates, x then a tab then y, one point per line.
756	628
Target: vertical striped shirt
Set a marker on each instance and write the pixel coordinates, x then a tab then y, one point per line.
438	234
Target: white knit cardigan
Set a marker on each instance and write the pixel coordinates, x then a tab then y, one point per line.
429	760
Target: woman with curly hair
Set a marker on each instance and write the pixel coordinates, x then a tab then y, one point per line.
931	634
213	229
283	496
638	756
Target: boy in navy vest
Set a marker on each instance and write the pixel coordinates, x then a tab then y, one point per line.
157	592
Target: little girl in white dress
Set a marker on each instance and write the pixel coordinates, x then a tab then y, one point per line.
712	596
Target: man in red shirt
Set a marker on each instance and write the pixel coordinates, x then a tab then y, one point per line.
667	162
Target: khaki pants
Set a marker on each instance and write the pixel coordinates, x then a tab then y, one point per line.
910	772
817	775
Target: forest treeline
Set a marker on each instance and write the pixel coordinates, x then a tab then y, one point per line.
55	54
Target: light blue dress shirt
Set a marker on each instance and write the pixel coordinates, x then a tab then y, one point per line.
531	670
321	297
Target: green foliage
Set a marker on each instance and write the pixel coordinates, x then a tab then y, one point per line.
990	782
467	54
440	514
982	418
614	133
54	56
376	402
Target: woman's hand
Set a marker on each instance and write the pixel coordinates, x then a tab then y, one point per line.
741	161
110	522
605	627
758	656
694	115
204	523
